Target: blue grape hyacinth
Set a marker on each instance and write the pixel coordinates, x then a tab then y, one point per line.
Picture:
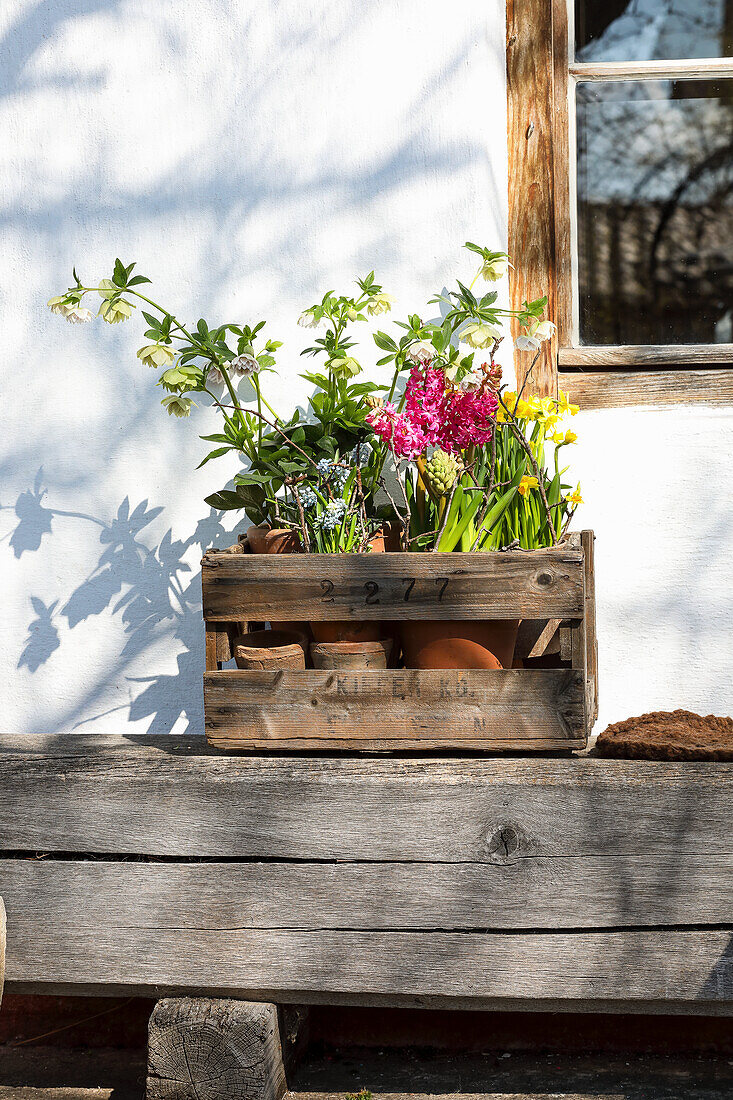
332	514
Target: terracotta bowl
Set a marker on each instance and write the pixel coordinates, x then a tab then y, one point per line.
270	650
351	654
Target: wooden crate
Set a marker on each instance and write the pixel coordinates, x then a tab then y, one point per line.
527	709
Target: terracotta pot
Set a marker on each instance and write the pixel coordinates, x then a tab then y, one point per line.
270	650
273	540
346	630
487	643
351	654
387	540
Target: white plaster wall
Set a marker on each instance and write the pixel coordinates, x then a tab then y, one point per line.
250	156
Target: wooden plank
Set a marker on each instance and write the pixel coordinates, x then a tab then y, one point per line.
530	123
590	629
668	967
709	68
516	584
615	389
218	1048
509	890
211	652
3	934
173	796
563	183
395	709
645	355
546	636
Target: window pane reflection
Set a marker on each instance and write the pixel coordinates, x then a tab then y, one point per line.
655	212
652	30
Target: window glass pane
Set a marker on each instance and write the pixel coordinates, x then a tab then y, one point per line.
652	30
655	211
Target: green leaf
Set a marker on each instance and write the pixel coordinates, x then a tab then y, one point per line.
119	276
385	342
216	438
225	500
214	454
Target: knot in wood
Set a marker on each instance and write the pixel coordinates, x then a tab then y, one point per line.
544	579
504	842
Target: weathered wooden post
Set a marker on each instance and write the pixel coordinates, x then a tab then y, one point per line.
217	1048
3	927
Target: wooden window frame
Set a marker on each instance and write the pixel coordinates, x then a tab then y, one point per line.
540	128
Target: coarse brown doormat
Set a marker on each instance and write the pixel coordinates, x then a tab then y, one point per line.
669	735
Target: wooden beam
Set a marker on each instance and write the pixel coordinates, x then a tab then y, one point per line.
172	796
698	68
506	709
513	887
511	585
671	968
606	357
3	934
615	389
532	104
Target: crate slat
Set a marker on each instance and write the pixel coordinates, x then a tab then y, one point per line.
395	709
541	584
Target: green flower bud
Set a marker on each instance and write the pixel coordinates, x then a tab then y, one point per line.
441	472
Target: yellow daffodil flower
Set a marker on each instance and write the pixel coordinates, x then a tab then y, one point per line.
564	406
575	497
571	437
527	483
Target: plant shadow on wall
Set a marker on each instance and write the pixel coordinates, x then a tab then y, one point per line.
146	584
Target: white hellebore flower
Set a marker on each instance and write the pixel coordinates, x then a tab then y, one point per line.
345	366
78	315
536	333
177	405
380	303
156	355
244	364
480	335
58	305
421	352
308	320
542	330
214	375
526	343
494	269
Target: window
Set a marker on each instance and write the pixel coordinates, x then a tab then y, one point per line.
621	192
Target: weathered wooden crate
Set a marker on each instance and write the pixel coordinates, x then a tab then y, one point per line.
526	709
